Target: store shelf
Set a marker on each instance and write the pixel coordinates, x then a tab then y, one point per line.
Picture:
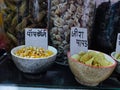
57	76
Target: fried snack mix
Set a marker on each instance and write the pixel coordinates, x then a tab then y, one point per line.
92	58
33	52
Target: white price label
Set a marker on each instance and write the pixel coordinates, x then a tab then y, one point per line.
36	37
78	40
118	43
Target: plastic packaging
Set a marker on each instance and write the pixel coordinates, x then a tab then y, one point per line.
106	27
4	40
66	14
21	14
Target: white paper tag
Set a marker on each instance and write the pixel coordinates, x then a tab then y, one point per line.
36	37
78	40
118	43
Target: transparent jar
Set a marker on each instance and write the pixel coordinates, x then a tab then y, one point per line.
21	14
65	14
6	39
106	26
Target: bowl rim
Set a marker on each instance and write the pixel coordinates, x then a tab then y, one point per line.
114	57
110	66
12	53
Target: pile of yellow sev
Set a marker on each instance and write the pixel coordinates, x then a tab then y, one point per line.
33	52
92	58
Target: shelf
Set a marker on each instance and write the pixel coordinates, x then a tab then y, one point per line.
57	76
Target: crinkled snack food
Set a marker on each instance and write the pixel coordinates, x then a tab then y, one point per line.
92	58
66	14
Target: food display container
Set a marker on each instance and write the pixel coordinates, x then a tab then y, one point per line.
5	41
106	26
113	55
21	14
65	14
90	75
58	16
33	65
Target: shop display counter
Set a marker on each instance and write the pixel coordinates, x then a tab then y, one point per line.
57	76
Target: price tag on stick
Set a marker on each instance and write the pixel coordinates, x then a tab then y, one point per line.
78	40
36	37
118	43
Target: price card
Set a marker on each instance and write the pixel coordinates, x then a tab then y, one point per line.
78	40
118	43
36	37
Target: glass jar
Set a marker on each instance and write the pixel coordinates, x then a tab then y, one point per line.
33	15
5	38
106	26
65	14
21	14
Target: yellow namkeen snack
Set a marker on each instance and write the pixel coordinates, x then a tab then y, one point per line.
33	52
87	56
117	56
92	58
